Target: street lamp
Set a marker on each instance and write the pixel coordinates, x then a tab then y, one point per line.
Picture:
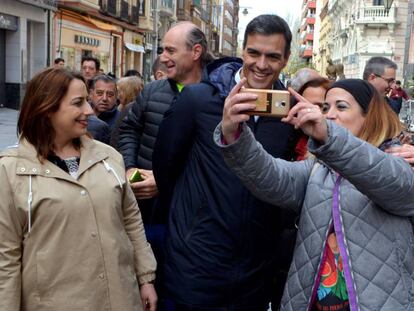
387	5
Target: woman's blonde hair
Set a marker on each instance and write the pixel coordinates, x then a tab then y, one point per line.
381	122
131	87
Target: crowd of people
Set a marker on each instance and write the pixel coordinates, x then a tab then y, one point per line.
231	211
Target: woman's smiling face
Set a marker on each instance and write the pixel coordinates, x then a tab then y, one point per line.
71	119
341	107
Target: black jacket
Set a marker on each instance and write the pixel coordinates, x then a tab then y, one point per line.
110	117
139	128
220	240
99	129
138	131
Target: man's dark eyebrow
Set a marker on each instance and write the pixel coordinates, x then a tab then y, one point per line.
252	50
274	55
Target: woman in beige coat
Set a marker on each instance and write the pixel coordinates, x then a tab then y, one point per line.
71	231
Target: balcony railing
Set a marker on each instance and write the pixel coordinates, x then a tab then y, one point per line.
376	15
308	5
310	20
309	36
307	53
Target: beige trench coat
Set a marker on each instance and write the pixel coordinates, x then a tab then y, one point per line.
86	249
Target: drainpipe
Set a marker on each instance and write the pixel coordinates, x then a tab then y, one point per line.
48	39
155	31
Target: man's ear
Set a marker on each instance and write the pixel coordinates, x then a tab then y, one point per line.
371	77
197	51
159	74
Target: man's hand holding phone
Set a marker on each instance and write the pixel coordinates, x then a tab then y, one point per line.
239	105
142	183
234	111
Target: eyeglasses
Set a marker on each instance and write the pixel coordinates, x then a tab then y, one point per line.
390	81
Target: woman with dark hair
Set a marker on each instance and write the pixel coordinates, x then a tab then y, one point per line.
355	243
71	231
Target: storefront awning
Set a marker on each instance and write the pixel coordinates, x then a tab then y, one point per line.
135	47
101	25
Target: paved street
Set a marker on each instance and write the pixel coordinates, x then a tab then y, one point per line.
8	122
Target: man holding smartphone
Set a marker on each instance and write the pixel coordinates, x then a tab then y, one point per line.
184	55
222	243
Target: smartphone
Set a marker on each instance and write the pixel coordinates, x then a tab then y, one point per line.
136	176
270	103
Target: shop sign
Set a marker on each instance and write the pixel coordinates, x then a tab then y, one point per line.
8	22
87	40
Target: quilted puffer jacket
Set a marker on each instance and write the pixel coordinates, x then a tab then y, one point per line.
366	194
139	129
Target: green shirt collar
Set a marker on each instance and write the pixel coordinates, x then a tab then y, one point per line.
180	86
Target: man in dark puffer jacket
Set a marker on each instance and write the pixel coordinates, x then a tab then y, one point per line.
185	52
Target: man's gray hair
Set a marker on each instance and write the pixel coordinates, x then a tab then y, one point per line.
103	78
196	36
376	65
